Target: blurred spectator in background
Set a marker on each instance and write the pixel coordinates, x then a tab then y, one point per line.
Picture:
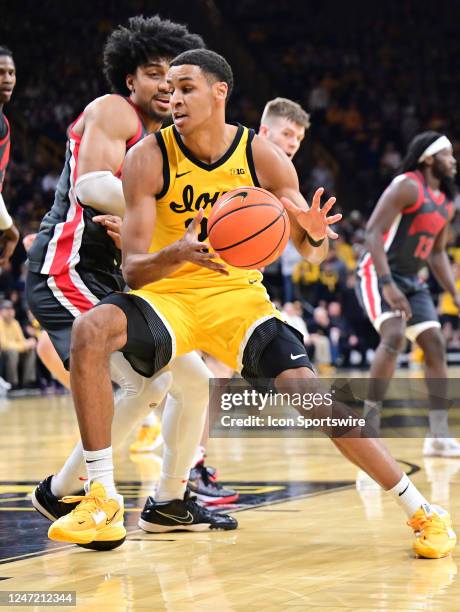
449	314
16	348
293	316
345	339
322	176
290	258
319	327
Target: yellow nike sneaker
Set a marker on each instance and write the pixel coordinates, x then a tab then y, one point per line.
146	439
96	523
434	536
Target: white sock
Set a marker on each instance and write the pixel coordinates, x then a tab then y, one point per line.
150	420
439	425
170	488
183	420
139	394
99	466
408	496
199	455
69	480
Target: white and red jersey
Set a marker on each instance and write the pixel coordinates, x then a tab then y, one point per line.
409	240
407	243
68	237
5	142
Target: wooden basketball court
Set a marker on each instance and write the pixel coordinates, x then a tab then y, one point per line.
309	539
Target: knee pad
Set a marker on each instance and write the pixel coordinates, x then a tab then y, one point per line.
121	373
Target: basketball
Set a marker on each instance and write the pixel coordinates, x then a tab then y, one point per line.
248	227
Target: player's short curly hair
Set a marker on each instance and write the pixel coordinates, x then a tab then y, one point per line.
143	39
211	63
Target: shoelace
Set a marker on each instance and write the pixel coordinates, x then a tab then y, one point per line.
199	512
433	522
91	503
208	478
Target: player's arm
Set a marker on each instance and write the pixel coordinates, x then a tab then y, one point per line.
439	264
400	194
10	234
310	227
142	177
109	123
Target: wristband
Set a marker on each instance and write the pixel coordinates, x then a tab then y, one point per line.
314	243
385	279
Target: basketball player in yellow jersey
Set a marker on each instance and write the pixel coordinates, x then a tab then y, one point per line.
185	298
285	123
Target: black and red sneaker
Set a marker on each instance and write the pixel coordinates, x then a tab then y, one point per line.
203	483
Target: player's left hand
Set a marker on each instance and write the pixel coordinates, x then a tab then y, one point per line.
28	240
112	224
8	242
315	220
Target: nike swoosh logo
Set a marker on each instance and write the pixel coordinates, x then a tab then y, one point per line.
186	520
109	520
402	492
253	281
183	174
294	357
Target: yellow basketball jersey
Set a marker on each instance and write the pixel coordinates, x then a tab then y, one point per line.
190	184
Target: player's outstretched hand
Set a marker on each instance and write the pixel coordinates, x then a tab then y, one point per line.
314	220
189	248
397	300
112	224
8	242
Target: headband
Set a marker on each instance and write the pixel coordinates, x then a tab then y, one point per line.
438	145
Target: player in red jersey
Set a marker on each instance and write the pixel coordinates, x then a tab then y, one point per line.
10	235
406	232
73	262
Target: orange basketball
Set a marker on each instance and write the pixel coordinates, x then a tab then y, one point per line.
248	227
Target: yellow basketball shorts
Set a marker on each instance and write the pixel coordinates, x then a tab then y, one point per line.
211	320
235	325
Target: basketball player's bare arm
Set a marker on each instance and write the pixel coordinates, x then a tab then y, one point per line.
400	194
108	123
142	177
439	264
276	173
